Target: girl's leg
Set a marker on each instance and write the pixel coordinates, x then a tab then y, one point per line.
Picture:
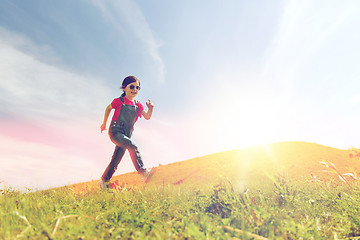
125	142
115	160
136	157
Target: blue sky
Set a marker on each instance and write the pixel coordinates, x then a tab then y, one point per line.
222	75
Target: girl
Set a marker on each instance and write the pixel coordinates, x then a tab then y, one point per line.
127	111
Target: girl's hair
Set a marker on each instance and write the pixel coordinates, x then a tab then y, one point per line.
127	81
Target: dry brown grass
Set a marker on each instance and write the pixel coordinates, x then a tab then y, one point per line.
299	160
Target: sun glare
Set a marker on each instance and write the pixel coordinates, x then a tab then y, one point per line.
252	124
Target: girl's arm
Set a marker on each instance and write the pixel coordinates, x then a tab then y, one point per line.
106	116
147	115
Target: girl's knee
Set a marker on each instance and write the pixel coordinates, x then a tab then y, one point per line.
132	145
128	143
123	141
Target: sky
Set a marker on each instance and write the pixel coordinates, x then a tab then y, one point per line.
223	75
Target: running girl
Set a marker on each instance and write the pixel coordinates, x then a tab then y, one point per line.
127	111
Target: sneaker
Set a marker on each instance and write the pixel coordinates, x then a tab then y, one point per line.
148	173
103	185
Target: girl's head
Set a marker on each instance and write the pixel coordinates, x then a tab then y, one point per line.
130	86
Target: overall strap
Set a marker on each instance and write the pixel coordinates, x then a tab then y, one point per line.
136	102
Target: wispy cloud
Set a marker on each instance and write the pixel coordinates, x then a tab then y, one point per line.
49	116
37	165
128	13
31	86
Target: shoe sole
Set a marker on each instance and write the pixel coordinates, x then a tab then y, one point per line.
103	186
152	171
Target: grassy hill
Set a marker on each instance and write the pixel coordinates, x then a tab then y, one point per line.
250	166
296	190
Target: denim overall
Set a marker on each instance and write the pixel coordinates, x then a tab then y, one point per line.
120	132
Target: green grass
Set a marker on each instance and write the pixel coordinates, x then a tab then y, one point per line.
280	209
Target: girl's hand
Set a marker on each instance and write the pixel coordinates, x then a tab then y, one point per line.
147	115
103	127
149	104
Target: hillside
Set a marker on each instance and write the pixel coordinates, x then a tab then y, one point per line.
194	199
296	160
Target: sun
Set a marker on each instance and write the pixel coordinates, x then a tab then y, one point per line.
250	123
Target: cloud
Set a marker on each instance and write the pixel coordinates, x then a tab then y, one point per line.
31	86
49	117
39	166
128	13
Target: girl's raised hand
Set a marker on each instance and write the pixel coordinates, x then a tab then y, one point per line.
149	104
103	127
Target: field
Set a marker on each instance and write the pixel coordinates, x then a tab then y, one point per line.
289	190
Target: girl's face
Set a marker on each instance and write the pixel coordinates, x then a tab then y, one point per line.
132	89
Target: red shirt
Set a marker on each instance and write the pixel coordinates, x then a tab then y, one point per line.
117	103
